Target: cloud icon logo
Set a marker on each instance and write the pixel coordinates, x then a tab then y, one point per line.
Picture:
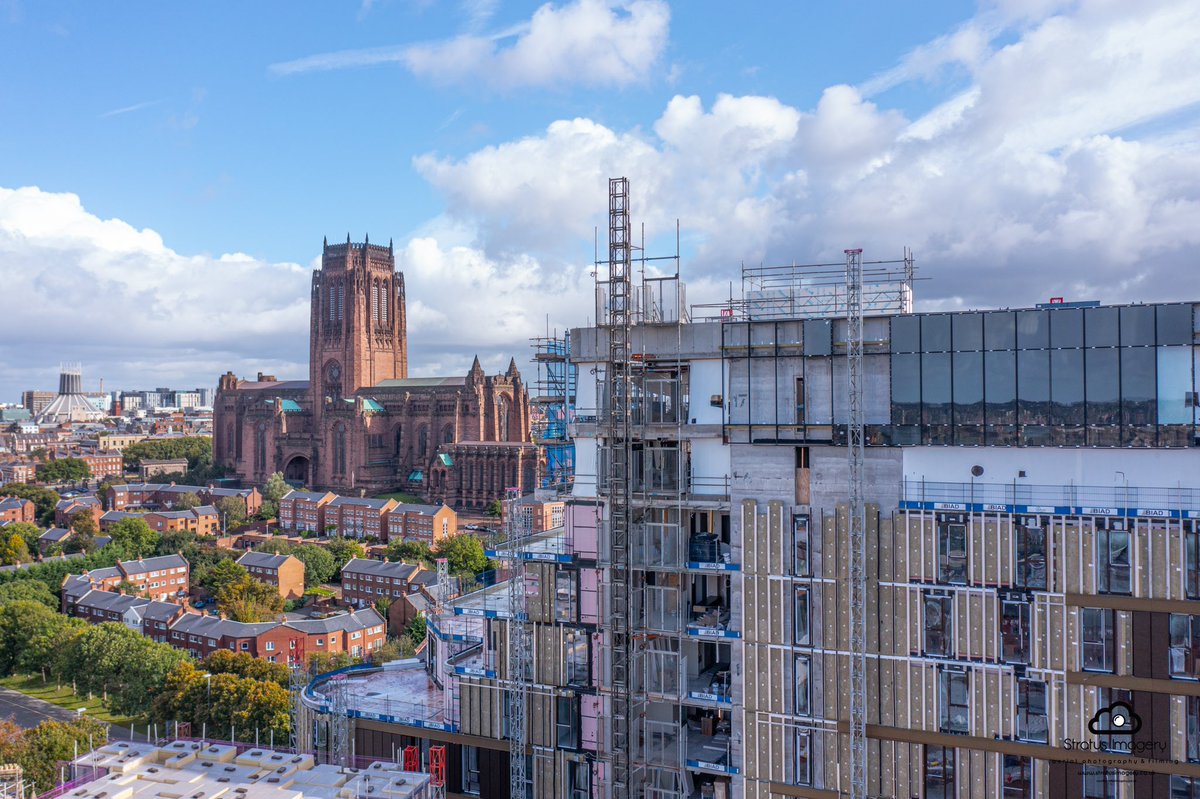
1116	719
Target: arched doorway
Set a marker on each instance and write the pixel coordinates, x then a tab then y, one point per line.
296	471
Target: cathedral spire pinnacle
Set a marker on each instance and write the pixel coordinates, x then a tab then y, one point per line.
512	367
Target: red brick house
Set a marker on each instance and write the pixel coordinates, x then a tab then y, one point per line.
359	518
304	511
203	520
285	572
364	581
162	579
66	509
15	509
428	523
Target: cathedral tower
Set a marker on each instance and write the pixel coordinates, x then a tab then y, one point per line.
358	331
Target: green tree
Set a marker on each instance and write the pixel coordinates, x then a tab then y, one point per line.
197	450
224	702
19	622
325	662
224	573
39	454
319	565
269	510
250	600
409	552
342	550
13	548
43	498
276	488
244	664
464	554
176	541
496	509
47	650
28	590
382	604
64	470
232	510
50	742
84	531
187	501
134	538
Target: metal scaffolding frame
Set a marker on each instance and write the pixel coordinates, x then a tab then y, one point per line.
618	458
520	663
554	404
857	524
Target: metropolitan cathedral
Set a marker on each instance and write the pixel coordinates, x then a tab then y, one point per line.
360	424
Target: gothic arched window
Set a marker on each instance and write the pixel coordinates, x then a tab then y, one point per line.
423	441
502	417
332	303
448	434
383	303
399	441
375	302
230	440
339	448
260	447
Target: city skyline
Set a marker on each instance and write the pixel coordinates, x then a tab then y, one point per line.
192	196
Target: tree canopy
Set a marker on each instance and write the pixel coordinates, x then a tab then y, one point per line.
409	552
342	550
14	543
38	751
464	554
232	510
319	565
250	600
276	488
64	470
134	538
197	450
226	703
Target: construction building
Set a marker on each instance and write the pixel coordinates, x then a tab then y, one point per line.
819	545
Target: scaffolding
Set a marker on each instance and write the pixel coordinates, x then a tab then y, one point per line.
520	659
553	407
618	456
301	722
858	524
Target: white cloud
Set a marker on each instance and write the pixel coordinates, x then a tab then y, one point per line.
138	313
588	42
1066	166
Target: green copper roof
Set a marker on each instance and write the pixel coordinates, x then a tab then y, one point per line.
289	406
416	476
422	382
444	457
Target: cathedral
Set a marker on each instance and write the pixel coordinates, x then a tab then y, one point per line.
360	424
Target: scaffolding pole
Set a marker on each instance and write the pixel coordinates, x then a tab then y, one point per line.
520	664
618	452
858	521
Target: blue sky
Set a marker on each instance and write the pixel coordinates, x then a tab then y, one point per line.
181	162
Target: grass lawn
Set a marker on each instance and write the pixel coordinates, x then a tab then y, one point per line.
32	685
400	496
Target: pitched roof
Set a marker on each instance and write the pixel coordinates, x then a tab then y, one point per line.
112	601
152	564
54	535
381	568
422	382
308	496
8	503
343	622
263	560
377	504
423	510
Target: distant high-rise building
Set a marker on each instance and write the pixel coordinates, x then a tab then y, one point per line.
36	401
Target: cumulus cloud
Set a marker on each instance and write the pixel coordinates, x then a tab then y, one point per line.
1066	165
588	42
139	314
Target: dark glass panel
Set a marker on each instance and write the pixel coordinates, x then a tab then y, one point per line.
968	387
1103	385
1000	387
935	333
1174	435
1137	326
1066	327
905	435
968	331
1100	327
1033	387
1002	435
1033	330
906	389
936	393
1068	436
818	337
1174	324
999	330
1138	382
1036	435
1066	387
968	434
906	333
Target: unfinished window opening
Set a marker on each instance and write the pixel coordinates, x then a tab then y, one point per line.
1032	724
954	697
803	665
801	566
802	616
1185	646
939	772
1096	639
1113	559
939	625
1030	557
661	397
952	553
1018	777
660	537
566	719
1015	630
710	606
576	646
566	584
803	757
800	412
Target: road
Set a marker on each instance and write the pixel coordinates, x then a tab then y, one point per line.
28	712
